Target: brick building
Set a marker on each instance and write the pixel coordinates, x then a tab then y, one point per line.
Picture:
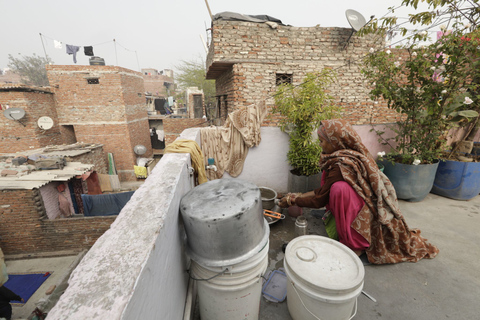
158	83
25	134
248	60
103	104
29	203
8	76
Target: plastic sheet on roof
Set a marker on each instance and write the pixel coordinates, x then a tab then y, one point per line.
233	16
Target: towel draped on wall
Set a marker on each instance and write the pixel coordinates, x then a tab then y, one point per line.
190	146
229	144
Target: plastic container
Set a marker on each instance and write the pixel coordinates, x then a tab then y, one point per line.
234	294
97	61
457	180
275	289
325	278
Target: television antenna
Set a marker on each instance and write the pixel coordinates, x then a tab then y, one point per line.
14	114
356	21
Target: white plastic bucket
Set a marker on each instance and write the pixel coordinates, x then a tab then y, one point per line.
234	294
324	277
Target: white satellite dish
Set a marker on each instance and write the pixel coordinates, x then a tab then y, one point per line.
355	19
14	113
45	123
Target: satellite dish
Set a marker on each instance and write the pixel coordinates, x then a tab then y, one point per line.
355	19
139	149
14	113
45	123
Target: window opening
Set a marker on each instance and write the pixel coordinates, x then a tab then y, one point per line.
281	78
93	81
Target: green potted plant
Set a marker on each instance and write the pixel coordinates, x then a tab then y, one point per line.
302	107
432	88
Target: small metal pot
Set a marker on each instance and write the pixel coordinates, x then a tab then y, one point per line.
268	197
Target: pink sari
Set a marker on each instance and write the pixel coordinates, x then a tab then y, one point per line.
345	204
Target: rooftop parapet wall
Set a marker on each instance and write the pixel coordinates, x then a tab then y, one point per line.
136	270
237	42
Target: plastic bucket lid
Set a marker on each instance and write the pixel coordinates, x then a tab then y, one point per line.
324	268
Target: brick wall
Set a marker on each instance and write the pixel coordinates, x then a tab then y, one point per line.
116	140
111	112
96	157
25	230
174	126
25	133
155	84
245	57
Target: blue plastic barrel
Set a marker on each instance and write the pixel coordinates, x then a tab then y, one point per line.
457	180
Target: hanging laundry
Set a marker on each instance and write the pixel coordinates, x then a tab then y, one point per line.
57	44
88	51
73	50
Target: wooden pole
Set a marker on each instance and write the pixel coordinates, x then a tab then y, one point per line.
209	11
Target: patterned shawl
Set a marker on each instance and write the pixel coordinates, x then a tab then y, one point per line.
379	221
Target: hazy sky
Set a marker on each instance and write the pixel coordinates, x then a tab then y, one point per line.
160	33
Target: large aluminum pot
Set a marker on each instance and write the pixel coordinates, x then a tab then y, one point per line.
224	222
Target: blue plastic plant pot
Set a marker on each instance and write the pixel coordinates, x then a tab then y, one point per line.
457	180
411	182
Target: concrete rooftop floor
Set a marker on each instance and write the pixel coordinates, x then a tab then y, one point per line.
446	287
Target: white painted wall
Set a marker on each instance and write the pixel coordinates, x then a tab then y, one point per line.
137	269
266	164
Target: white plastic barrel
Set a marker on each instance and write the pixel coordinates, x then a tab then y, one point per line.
234	294
324	277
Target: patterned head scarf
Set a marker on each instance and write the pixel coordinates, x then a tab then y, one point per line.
341	135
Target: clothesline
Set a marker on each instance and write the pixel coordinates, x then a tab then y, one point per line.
88	50
95	45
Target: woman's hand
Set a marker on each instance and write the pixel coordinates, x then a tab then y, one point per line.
288	200
283	202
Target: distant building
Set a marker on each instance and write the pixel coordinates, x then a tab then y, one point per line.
8	76
103	104
158	83
25	134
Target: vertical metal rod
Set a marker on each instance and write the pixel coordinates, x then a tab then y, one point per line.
116	58
45	51
138	63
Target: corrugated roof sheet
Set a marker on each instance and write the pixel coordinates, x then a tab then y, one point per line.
23	87
39	178
71	150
